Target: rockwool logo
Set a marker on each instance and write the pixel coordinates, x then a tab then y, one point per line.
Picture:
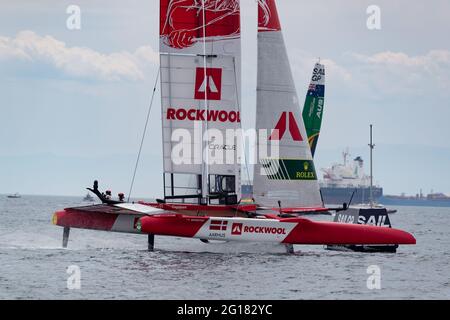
211	85
281	127
202	115
236	229
269	230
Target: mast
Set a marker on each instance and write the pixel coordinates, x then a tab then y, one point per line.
345	153
205	122
371	146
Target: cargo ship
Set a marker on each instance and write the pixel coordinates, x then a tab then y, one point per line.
342	179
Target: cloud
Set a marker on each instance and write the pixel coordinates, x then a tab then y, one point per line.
433	57
77	62
379	76
400	73
302	63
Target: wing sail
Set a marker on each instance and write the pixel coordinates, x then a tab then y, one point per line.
290	177
200	48
314	104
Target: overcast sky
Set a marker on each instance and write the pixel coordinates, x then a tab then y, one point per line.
73	102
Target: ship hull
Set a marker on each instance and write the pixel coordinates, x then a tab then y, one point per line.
335	195
397	201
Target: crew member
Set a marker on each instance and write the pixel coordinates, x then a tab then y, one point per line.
108	194
121	197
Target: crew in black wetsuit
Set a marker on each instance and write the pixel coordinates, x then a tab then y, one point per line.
104	197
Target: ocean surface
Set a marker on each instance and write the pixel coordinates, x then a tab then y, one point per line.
117	266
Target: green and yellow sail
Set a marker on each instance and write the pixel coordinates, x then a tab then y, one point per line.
314	103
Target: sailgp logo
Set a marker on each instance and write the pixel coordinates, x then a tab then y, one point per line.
208	84
280	128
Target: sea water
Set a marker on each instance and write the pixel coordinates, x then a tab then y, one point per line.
117	266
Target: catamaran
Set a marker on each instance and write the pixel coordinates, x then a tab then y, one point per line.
200	77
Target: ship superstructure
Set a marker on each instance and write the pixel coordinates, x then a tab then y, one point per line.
342	179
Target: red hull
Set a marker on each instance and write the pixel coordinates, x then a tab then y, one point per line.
315	232
302	231
268	229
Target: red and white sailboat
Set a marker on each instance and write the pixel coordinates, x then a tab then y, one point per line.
200	54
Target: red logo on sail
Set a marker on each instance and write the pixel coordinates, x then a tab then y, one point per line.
182	23
268	16
208	83
280	128
236	229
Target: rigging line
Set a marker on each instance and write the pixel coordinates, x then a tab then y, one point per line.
205	167
143	134
240	123
242	135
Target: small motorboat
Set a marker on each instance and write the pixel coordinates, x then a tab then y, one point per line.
14	196
88	197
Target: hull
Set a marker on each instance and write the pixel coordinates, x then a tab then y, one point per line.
396	201
267	228
363	248
334	195
366	216
101	217
288	231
